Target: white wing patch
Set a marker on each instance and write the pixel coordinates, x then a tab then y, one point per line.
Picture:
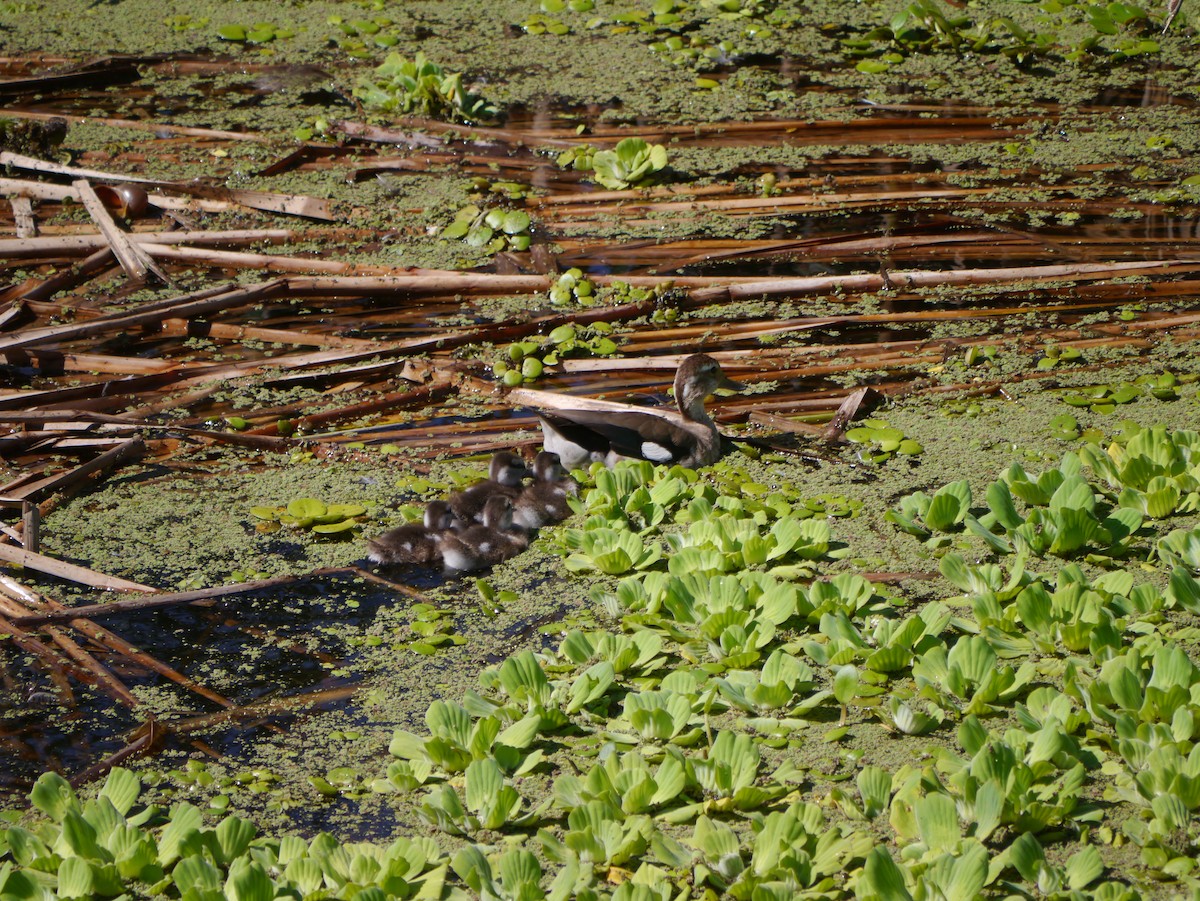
656	453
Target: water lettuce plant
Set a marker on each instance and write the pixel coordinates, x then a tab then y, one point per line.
361	37
493	230
527	360
109	845
572	287
420	87
631	163
311	514
257	33
881	441
1117	31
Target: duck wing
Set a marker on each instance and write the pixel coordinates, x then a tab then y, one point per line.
630	433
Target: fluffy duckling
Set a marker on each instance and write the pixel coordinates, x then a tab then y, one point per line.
505	474
414	543
580	437
545	501
481	546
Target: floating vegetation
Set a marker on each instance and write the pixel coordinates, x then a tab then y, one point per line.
258	33
493	230
1056	354
360	38
631	163
102	846
527	360
572	288
311	514
747	683
419	87
881	441
1116	30
1106	398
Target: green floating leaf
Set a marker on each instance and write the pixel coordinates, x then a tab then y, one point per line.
306	508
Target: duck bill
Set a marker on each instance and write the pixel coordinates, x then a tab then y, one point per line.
727	382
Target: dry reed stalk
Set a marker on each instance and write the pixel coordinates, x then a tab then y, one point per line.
259	709
134	447
148	736
133	259
782	186
108	639
53	361
69	571
631	205
782	424
33	164
859	400
915	278
27	248
232	259
208	300
99	675
425	394
57	667
157	600
77	274
56	417
192	329
289	204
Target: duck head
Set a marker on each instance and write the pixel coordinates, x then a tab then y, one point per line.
699	375
507	469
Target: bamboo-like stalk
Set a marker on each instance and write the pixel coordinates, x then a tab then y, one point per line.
90	266
109	639
184	327
69	571
27	248
171	599
268	707
146	739
133	259
131	448
99	675
198	303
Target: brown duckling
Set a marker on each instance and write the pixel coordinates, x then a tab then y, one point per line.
481	546
505	473
416	542
689	438
545	501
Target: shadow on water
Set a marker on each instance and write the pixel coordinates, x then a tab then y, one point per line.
262	651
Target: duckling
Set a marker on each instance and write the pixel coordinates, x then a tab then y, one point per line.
414	543
690	438
481	546
505	473
545	501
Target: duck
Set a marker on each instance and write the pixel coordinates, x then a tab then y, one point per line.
481	546
506	472
545	501
415	543
581	437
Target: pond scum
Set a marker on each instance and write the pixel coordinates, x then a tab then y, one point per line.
753	711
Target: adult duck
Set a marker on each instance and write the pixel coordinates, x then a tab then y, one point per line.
506	473
415	543
690	438
480	546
